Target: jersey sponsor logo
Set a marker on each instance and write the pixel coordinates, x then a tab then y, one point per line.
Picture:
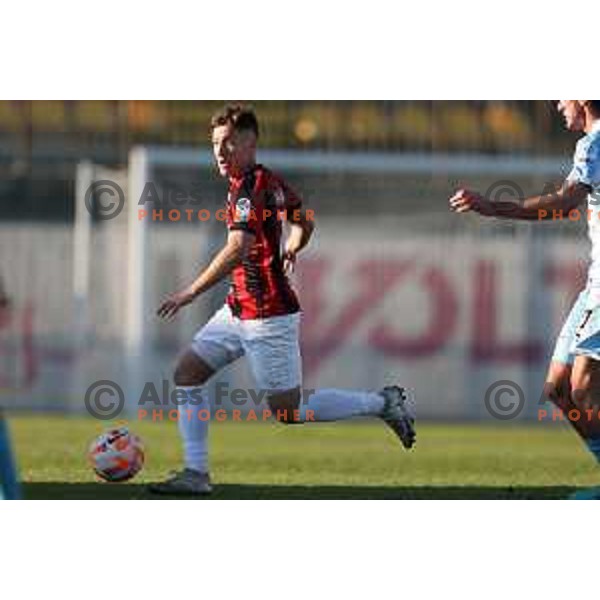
243	207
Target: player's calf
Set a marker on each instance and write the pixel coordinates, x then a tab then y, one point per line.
191	370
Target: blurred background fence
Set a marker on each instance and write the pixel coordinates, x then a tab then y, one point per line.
393	288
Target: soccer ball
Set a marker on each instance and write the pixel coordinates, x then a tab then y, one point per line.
117	455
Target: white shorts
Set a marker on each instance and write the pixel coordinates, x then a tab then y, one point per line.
580	334
272	346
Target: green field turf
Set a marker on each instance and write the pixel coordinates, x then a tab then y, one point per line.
352	460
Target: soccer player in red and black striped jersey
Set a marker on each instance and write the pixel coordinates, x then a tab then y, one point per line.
261	317
257	203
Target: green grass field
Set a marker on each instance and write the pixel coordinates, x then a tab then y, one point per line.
355	460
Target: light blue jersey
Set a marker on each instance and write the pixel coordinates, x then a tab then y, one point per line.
581	331
586	170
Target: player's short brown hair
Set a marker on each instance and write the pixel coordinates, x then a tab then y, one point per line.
241	118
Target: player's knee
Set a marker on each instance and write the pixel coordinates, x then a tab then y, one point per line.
558	375
191	371
183	378
585	386
285	407
557	385
580	381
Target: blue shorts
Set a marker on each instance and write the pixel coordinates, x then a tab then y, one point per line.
580	334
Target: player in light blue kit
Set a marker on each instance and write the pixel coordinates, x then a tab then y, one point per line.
573	380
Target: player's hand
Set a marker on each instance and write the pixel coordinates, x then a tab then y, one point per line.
289	261
465	201
170	307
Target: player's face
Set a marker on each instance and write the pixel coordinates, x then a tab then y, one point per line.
234	150
573	113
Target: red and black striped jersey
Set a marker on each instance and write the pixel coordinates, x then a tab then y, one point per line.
257	203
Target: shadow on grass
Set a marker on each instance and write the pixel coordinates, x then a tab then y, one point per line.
124	491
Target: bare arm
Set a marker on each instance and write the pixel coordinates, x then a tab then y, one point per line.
237	246
301	230
568	197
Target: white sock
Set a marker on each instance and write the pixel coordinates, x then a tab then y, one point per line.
193	422
335	405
